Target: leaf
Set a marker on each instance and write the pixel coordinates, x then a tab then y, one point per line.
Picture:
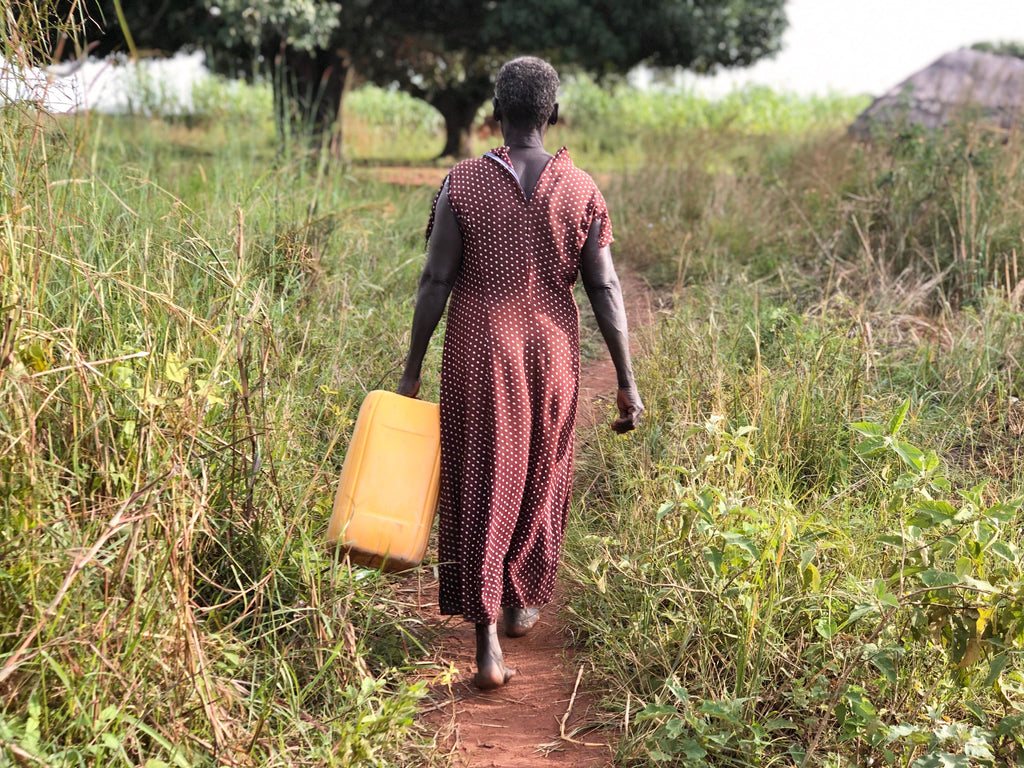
934	578
975	709
939	511
110	741
870	446
977	749
884	663
860	612
897	420
995	669
691	749
1008	552
175	370
664	509
910	454
862	707
674	728
883	595
652	711
726	710
868	429
981	585
681	694
812	578
908	571
902	731
941	760
743	543
930	461
806	557
1003	513
892	541
36	356
905	482
1010	725
714	557
826	627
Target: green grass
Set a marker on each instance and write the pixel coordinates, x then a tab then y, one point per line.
809	555
191	322
812	553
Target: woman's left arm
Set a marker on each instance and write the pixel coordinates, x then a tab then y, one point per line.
605	293
444	257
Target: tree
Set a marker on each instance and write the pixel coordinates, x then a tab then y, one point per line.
434	50
294	43
446	52
304	45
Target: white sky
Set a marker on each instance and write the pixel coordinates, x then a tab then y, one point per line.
868	46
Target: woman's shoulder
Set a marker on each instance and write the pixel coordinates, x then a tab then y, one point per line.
471	164
568	169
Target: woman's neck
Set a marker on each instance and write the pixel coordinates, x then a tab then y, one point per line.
520	138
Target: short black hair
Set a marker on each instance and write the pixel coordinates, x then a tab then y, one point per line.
526	91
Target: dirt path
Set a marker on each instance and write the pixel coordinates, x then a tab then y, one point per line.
523	723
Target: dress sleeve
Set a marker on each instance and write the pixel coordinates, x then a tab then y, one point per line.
599	212
433	208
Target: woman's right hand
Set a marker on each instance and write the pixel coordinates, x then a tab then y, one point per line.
630	409
408	386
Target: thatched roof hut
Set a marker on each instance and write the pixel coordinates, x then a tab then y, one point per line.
963	84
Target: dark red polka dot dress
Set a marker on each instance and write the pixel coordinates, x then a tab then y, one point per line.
509	381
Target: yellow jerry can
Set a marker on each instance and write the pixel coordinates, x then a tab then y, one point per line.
389	483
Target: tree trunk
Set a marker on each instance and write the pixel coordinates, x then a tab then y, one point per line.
458	108
308	93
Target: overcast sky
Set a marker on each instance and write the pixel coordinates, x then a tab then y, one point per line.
868	46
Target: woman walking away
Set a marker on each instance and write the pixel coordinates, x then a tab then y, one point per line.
508	234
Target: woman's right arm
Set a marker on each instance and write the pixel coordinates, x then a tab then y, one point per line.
444	257
605	293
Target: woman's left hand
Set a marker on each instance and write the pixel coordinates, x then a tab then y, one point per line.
630	409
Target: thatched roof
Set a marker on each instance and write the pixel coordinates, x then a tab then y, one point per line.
962	84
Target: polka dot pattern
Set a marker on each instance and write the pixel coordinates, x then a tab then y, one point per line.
509	381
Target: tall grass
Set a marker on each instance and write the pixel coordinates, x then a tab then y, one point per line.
619	127
189	323
812	553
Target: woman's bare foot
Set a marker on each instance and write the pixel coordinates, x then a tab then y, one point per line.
491	670
519	621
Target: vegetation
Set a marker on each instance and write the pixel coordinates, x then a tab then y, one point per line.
810	555
189	325
1003	48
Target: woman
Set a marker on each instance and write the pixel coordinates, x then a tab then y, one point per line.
508	234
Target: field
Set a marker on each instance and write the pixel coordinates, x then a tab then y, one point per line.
809	555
